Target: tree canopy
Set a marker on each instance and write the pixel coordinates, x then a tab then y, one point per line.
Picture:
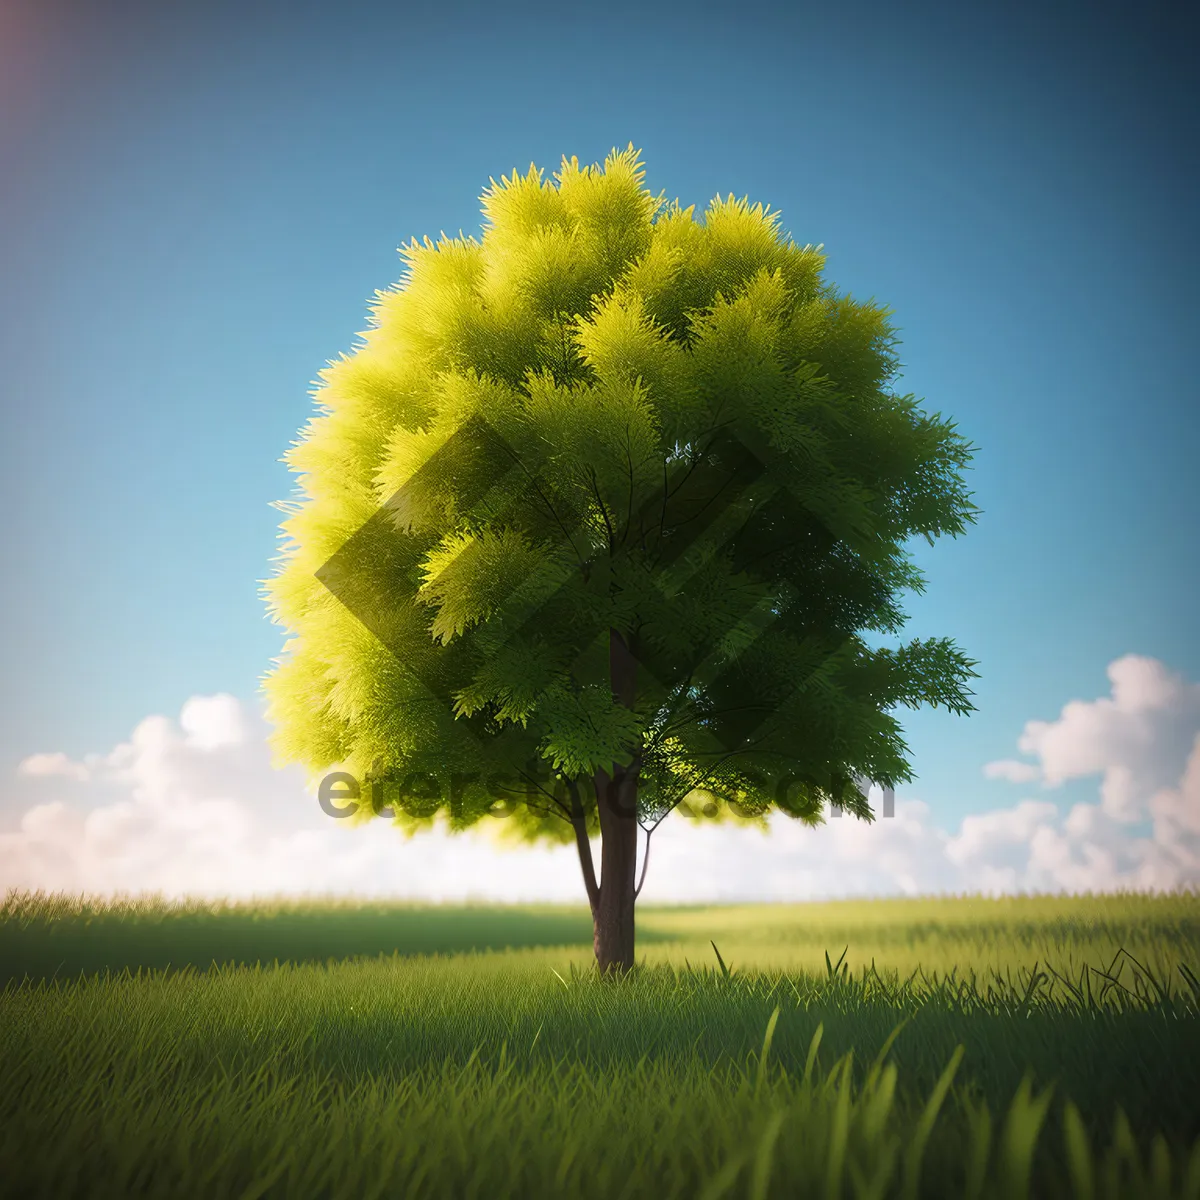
602	506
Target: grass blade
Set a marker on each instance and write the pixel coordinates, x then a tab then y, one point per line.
766	1050
916	1150
760	1176
724	969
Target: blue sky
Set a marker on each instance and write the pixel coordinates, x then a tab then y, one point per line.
200	203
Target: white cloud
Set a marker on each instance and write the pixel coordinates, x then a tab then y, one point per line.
1136	739
211	722
194	807
1012	770
53	764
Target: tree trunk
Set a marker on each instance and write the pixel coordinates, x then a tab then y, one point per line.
612	916
616	801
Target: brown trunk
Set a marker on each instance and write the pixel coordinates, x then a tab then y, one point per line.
613	913
616	801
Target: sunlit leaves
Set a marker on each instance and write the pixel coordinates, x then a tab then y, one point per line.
613	412
600	444
621	342
470	575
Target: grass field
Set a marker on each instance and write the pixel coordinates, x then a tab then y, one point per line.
950	1047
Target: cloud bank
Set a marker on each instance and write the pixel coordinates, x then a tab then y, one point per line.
193	807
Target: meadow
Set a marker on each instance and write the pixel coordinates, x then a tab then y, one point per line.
990	1048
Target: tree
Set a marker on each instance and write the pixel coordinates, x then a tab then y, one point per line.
591	523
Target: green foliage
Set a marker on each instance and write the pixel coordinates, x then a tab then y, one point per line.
499	476
522	1074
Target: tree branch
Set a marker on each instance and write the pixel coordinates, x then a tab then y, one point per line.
537	487
562	810
603	510
629	502
584	845
681	721
691	788
637	891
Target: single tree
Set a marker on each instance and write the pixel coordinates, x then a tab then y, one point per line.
589	527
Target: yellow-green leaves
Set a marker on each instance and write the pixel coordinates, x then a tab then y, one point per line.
551	273
519	205
469	575
456	398
736	357
587	730
557	246
852	341
611	208
599	444
621	343
506	457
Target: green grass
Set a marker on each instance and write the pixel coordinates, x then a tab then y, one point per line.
1045	1047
